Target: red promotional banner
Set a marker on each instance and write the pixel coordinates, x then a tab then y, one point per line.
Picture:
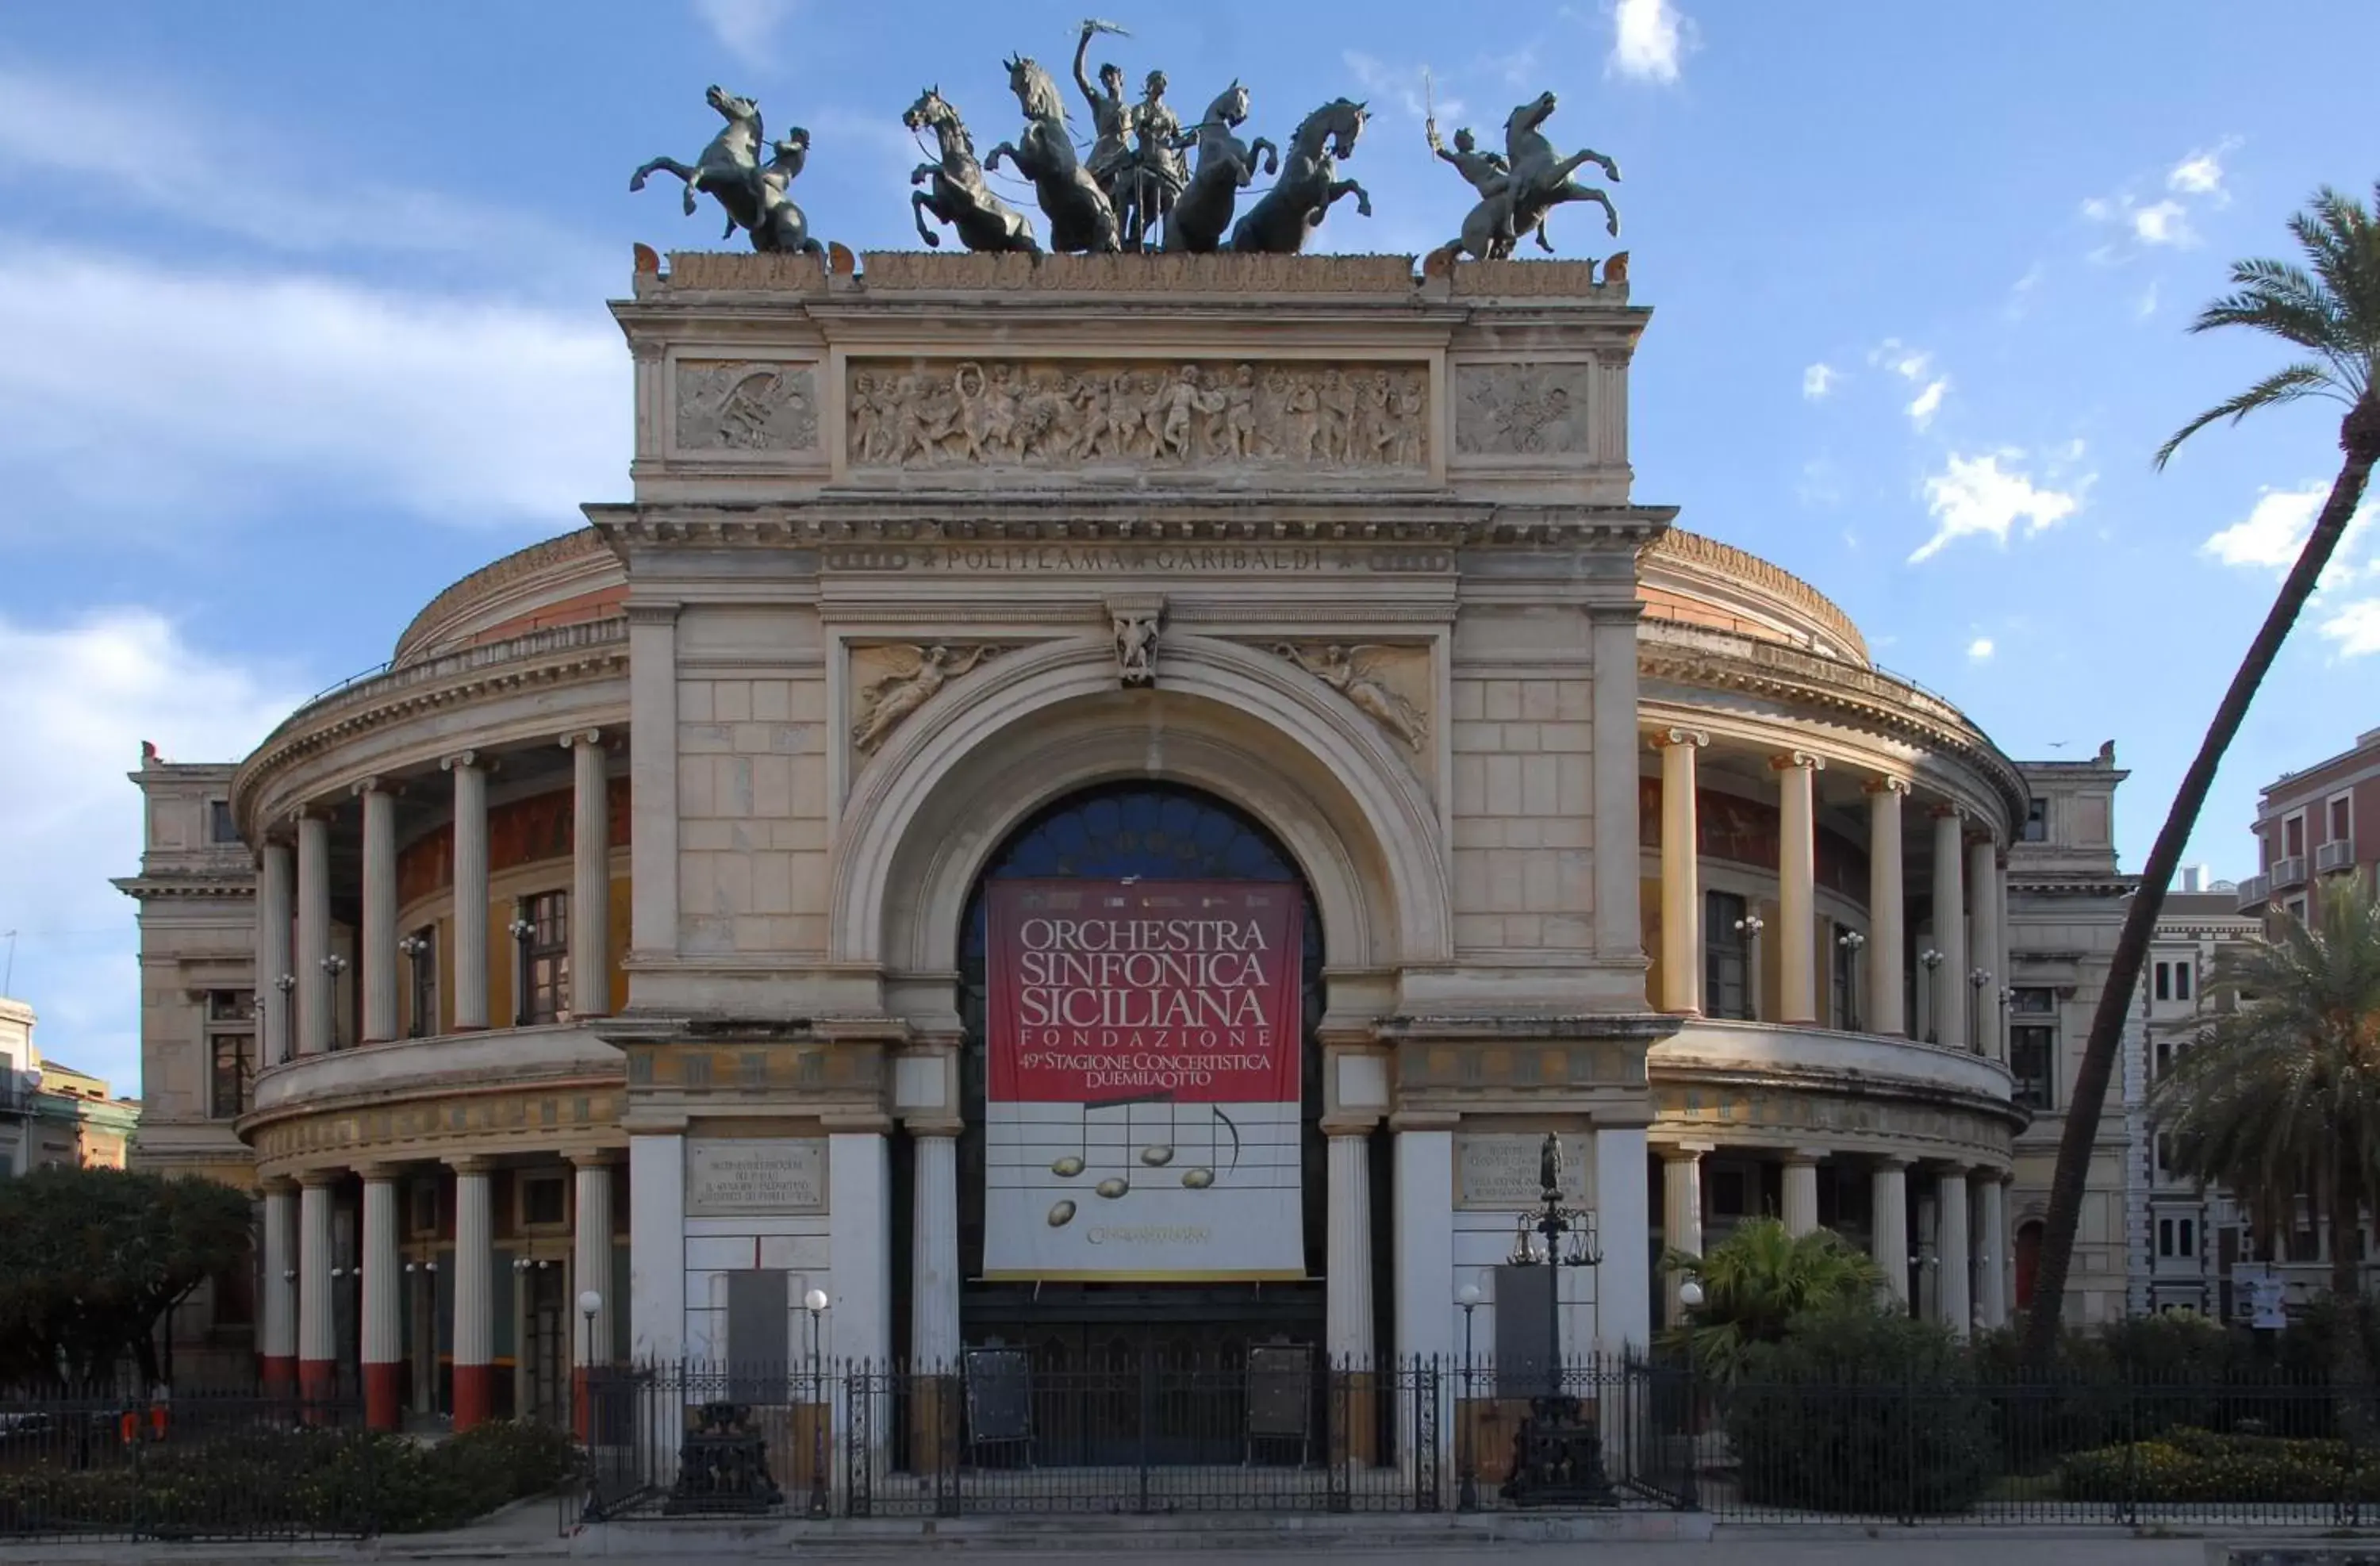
1102	991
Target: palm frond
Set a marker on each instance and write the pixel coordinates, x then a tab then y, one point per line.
2342	244
2285	385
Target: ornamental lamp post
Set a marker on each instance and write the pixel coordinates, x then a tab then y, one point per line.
815	1304
1932	960
1690	1294
334	965
1468	1499
1976	982
286	984
1850	940
522	932
1558	1457
1749	927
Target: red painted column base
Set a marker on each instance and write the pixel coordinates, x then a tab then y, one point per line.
475	1395
582	1404
385	1396
279	1371
318	1384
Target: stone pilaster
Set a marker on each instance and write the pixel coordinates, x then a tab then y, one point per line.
934	1251
1347	1336
590	877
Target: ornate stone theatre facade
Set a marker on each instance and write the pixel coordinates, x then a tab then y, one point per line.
625	933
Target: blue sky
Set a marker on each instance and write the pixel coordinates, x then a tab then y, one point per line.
303	315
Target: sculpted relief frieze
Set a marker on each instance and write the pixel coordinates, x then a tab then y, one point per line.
1067	415
741	406
1387	685
1521	409
890	683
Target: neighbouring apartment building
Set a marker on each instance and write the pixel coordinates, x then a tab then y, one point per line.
53	1116
2312	824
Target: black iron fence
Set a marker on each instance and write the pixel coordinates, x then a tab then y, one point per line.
219	1466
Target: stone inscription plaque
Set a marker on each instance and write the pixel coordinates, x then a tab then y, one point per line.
738	1177
1499	1172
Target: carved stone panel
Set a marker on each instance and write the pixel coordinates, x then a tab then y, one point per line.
889	683
1523	409
1390	685
744	406
1138	414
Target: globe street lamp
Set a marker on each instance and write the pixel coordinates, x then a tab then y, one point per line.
1468	1297
285	984
1976	982
815	1304
1690	1294
1749	926
1932	960
1850	940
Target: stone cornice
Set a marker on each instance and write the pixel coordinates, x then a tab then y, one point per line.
909	517
1695	553
567	655
1721	660
494	578
144	886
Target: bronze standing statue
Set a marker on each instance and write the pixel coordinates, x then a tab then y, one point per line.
1281	220
957	194
1486	173
1226	165
1080	217
754	196
1537	180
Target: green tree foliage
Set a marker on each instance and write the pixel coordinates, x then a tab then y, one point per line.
92	1257
1756	1282
2328	310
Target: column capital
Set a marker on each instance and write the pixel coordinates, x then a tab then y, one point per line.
577	737
932	1125
650	613
312	1178
1948	812
1664	739
1950	1168
471	1163
375	784
1812	1156
371	1174
1897	1162
1884	783
458	759
277	1185
1683	1152
1787	760
1354	1127
300	814
596	1157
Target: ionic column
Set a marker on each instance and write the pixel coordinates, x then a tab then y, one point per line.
1983	943
317	990
1347	1336
591	876
1887	1007
277	1347
1797	885
1682	901
379	952
1949	983
1801	1213
318	1345
1682	1212
1991	1250
475	1256
384	1347
1888	1225
275	908
934	1250
1953	1251
471	892
590	1268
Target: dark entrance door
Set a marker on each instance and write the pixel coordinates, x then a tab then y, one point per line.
1132	1361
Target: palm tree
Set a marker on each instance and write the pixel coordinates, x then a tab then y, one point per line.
1758	1280
2280	1098
2329	308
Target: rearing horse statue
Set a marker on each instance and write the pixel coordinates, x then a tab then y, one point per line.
1080	217
1225	166
728	168
1280	222
957	194
1538	180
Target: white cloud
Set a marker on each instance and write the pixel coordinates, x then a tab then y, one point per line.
227	388
1819	379
2201	174
77	700
1409	87
2021	293
1927	403
1977	496
2163	223
1981	649
745	29
2147	303
1648	38
237	178
1909	364
2356	628
2275	528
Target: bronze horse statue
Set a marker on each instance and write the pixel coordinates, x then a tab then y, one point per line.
957	194
1080	217
1287	215
1537	180
782	226
1203	210
728	168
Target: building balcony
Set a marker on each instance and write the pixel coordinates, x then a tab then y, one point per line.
1782	1054
2335	857
2254	892
2288	871
451	1064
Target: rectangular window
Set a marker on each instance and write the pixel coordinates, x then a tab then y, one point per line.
2181	972
1726	1193
2342	819
230	1005
2293	835
2178	1238
1725	957
2164	1059
2034	1000
545	958
424	1217
2033	1052
235	1072
2036	820
2165	981
421	953
542	1201
221	828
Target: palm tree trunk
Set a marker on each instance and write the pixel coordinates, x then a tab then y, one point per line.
2359	438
